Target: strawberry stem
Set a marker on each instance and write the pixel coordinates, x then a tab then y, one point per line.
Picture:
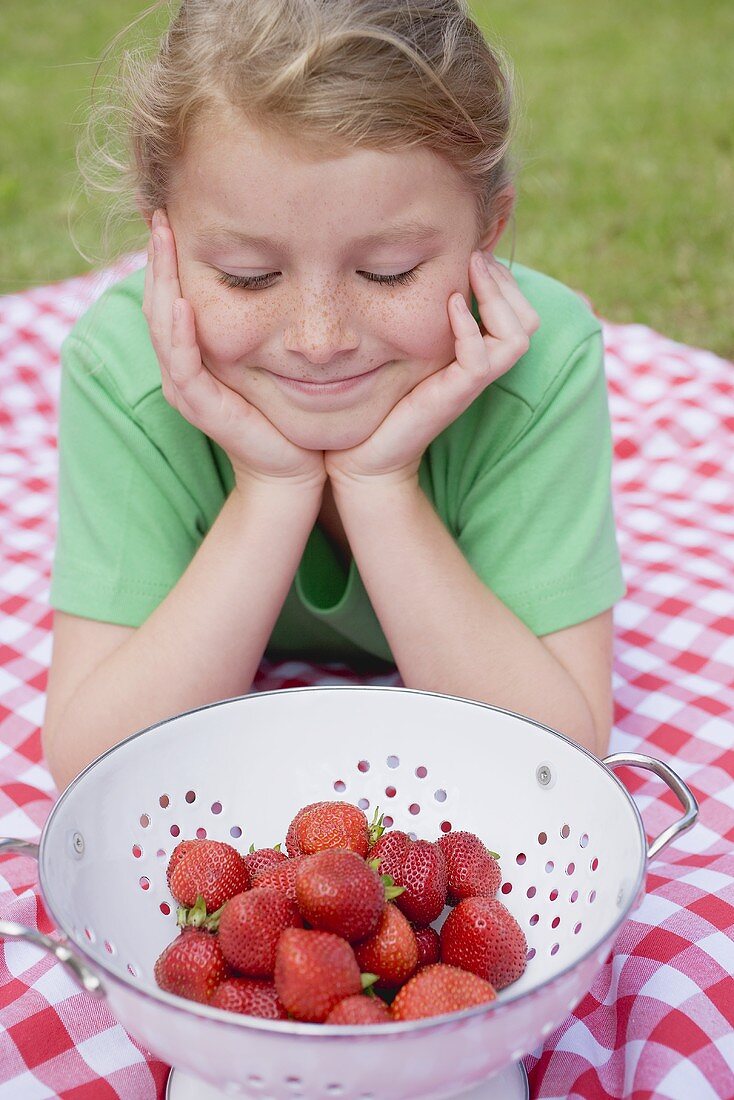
376	826
391	890
368	980
197	917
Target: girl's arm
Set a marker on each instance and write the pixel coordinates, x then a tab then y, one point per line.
202	643
446	629
206	638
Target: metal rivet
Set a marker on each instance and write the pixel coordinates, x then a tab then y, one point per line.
543	775
78	843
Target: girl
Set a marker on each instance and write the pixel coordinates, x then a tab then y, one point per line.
290	434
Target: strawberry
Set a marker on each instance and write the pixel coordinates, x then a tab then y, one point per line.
213	869
192	966
438	989
472	871
390	849
250	925
423	874
313	972
251	996
291	842
330	825
177	855
482	936
281	876
429	945
259	859
360	1009
337	892
391	952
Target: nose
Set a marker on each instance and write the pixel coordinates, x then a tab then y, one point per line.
321	330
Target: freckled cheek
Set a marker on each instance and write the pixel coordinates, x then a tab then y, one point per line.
427	336
227	328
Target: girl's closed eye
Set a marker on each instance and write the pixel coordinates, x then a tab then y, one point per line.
254	282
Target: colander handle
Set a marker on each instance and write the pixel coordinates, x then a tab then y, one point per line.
79	971
677	786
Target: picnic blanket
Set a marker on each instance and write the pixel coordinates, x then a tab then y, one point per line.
657	1021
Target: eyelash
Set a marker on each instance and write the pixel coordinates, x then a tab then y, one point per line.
254	282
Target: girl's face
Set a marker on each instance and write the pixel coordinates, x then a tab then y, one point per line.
313	339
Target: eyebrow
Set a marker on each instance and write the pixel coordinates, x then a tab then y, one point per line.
412	231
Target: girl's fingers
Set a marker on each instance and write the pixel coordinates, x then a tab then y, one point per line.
165	289
506	338
529	318
148	284
200	397
496	311
185	368
184	378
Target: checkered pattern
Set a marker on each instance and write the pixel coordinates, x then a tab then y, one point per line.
657	1022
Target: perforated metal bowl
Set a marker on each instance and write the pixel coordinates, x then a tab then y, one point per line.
572	846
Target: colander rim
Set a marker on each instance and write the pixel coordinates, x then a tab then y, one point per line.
345	1031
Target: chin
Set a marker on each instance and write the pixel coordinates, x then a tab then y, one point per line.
319	436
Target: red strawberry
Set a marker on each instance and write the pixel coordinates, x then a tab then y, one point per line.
251	996
192	966
177	855
213	869
337	892
472	871
330	825
390	849
482	936
282	876
391	952
438	989
360	1009
250	926
259	859
291	843
423	874
313	972
429	946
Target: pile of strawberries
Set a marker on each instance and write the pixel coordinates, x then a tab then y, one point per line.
339	930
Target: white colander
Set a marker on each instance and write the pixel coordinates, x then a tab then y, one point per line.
572	846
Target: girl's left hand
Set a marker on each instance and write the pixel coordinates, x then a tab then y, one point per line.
394	450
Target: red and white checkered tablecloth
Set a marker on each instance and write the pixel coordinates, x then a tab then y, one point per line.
657	1022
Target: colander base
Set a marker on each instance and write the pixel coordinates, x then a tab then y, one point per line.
511	1083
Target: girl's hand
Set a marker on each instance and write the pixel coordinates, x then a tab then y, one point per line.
256	449
393	451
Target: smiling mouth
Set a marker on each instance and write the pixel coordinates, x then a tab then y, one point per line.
331	385
327	382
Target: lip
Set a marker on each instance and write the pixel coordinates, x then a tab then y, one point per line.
340	385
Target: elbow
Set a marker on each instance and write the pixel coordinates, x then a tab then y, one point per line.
56	765
590	732
595	735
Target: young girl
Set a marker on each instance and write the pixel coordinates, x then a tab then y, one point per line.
289	434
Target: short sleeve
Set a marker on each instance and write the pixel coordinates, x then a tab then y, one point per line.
127	526
538	524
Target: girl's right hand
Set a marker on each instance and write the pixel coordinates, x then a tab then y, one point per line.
254	446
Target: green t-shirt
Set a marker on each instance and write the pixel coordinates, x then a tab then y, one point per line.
521	480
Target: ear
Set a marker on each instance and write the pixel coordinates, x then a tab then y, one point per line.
504	204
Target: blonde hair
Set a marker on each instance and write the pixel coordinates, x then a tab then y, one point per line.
332	75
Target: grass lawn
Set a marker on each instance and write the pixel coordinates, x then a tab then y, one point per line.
625	146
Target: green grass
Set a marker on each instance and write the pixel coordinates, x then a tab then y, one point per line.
625	146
